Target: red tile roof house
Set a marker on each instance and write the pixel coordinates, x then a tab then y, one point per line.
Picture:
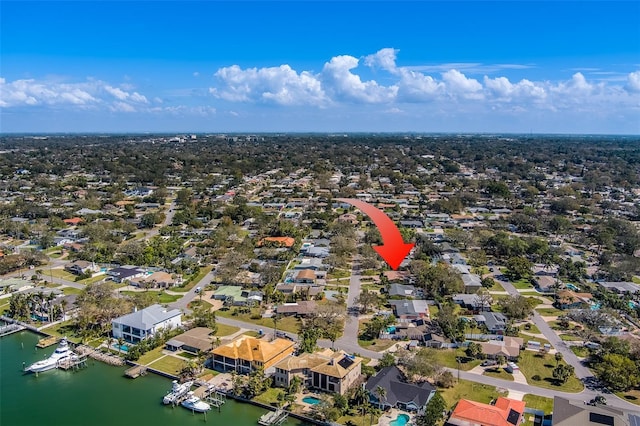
505	412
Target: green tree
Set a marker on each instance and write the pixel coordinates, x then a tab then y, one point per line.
434	411
617	372
562	373
518	268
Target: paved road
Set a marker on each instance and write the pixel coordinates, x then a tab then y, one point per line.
191	294
350	334
581	371
168	219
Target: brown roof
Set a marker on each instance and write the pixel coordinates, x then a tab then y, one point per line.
302	307
197	337
304	360
306	274
489	348
251	349
334	366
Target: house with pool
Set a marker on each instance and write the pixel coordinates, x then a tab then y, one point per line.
398	392
144	323
325	370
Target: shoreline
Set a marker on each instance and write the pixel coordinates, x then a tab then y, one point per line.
165	374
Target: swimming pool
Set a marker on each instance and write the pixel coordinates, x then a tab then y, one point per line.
572	287
311	400
401	420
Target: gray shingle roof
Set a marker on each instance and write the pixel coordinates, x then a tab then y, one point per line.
148	317
392	380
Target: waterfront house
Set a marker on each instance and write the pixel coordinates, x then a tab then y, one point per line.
144	323
247	353
398	393
195	341
325	370
504	412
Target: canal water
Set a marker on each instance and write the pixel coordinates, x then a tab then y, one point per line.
98	395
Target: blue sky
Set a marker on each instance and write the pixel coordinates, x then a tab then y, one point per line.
267	66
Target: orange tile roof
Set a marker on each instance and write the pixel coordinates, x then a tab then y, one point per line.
284	241
73	221
251	349
487	415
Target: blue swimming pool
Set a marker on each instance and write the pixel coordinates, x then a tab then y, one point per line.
401	420
572	287
311	400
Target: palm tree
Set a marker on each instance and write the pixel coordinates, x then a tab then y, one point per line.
120	343
381	394
275	320
558	357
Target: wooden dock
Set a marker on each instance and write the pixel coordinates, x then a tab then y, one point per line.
211	395
75	364
100	356
136	371
45	342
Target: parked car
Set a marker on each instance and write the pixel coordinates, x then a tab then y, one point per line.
489	362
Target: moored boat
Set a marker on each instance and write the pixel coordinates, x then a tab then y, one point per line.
194	403
177	390
62	353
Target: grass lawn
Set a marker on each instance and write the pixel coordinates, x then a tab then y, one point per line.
356	418
150	356
539	403
60	273
447	358
289	324
160	296
498	373
636	279
195	303
496	286
522	284
376	344
531	329
338	273
550	312
92	280
62	329
469	390
251	333
530	364
632	396
225	330
195	280
168	364
71	290
269	397
569	337
580	351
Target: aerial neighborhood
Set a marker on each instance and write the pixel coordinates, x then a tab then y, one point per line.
234	262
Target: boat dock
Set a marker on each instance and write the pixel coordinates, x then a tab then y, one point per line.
8	329
211	395
100	356
77	363
136	371
273	418
45	342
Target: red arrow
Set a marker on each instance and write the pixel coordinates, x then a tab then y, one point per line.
393	249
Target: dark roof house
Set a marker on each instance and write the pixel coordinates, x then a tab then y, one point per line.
399	393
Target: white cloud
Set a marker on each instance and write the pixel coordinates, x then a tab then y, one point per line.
503	90
383	58
280	85
458	84
344	85
86	94
633	82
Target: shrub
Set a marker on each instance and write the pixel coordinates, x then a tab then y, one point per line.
536	377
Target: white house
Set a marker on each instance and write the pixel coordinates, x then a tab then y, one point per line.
141	324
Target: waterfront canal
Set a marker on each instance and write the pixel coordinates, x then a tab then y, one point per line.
98	395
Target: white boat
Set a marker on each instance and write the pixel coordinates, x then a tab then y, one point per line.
62	353
194	403
177	390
